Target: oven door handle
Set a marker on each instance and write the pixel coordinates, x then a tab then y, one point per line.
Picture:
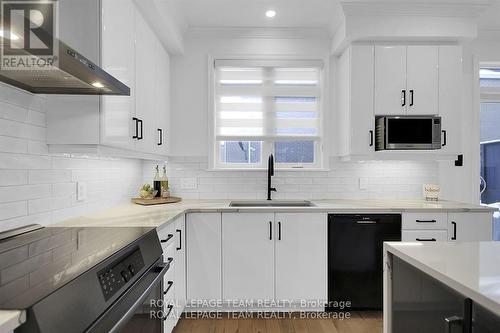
119	313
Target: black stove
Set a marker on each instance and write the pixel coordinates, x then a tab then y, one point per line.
79	279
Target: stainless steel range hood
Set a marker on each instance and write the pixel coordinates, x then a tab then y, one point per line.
73	75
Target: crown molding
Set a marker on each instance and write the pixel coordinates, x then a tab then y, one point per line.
258	33
422	8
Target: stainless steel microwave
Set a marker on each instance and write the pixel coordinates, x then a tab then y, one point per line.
408	133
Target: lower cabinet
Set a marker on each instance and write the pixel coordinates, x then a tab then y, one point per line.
248	256
274	256
204	253
439	226
301	256
172	238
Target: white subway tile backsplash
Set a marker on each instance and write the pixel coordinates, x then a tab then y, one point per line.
37	187
383	179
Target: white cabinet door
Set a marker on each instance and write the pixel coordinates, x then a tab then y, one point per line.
162	99
118	59
301	256
470	226
450	96
145	86
422	80
203	241
180	265
362	121
390	80
248	256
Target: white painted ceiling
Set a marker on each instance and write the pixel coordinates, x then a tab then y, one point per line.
290	13
251	13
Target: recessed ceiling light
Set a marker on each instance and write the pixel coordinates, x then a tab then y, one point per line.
270	13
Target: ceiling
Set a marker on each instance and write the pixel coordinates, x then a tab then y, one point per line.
251	13
325	14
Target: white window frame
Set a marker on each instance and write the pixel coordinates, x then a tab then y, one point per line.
320	162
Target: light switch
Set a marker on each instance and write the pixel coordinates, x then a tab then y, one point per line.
81	191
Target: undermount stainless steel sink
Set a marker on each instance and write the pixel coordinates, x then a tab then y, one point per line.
272	203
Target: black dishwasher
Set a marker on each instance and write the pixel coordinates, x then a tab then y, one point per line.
355	244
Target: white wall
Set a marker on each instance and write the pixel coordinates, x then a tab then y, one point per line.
36	187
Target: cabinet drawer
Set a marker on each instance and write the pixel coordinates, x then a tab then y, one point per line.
168	251
166	234
424	235
424	221
169	283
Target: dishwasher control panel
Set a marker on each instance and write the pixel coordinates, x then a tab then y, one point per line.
113	277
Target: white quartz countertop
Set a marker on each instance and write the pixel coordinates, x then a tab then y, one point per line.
470	268
153	216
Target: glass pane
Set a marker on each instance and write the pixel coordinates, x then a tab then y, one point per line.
294	151
246	152
490	152
489	77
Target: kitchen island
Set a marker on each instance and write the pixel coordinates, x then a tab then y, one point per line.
442	286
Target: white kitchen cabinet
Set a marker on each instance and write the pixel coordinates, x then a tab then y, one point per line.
204	253
301	256
248	256
470	226
406	80
125	46
390	80
118	59
422	80
450	96
180	265
355	89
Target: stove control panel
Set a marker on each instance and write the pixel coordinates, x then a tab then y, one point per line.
116	275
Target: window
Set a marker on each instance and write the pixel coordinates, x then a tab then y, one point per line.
263	107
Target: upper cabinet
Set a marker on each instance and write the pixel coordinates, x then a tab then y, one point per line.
129	126
397	80
406	80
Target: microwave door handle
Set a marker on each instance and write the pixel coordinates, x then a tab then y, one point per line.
444	138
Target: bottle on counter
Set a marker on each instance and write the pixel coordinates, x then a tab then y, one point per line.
157	182
164	184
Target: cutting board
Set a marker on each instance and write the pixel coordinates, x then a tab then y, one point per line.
155	201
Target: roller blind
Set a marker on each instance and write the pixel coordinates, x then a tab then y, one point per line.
267	100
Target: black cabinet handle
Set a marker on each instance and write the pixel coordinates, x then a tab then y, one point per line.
454	224
140	137
371	138
425	221
403	97
411	97
169	307
136	135
444	138
451	321
160	134
169	237
169	260
180	239
279	230
425	239
169	285
270	230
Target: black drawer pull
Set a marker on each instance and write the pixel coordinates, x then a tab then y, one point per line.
169	237
169	260
425	221
169	307
425	239
170	284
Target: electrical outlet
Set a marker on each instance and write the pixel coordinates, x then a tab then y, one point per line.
81	191
363	183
